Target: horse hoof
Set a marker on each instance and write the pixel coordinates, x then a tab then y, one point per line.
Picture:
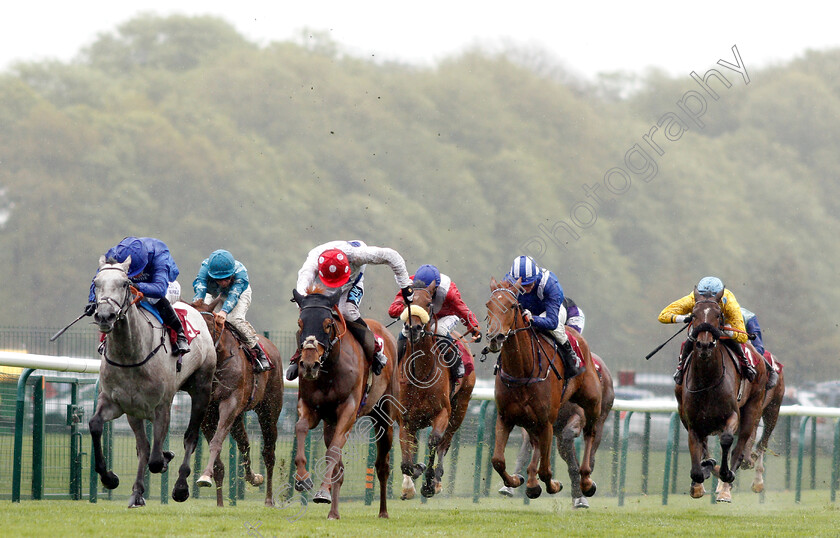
427	490
168	455
257	480
180	495
322	497
553	487
591	491
204	481
758	487
506	491
438	487
301	485
419	468
697	490
136	501
383	515
580	502
521	480
534	492
157	466
110	480
407	495
723	499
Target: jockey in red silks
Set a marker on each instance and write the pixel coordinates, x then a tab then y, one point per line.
341	264
152	269
447	309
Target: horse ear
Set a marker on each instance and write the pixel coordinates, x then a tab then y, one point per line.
695	293
102	261
718	295
334	297
431	288
493	283
296	297
126	264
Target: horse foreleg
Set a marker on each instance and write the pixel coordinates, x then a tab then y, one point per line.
699	471
498	459
105	411
336	479
345	418
439	425
566	448
308	420
727	437
158	461
546	437
590	432
384	440
408	448
142	443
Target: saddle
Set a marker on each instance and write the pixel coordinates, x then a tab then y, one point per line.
250	352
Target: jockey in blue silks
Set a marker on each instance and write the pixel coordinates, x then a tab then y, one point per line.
221	275
541	298
151	271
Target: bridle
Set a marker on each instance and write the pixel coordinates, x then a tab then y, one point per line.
123	307
716	335
517	308
310	341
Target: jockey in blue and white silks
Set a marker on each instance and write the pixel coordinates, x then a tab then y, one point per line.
151	271
221	275
541	298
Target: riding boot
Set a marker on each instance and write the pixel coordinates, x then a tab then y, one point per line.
772	376
688	346
171	320
373	348
570	360
452	357
401	344
748	369
261	363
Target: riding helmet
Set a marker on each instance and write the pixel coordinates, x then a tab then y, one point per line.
526	268
134	247
710	285
221	264
427	274
334	268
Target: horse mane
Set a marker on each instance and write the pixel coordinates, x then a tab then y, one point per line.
111	260
316	289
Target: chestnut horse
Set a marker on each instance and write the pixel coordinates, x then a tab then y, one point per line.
714	399
237	389
530	390
425	395
333	379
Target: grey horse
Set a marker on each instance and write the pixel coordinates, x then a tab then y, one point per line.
139	378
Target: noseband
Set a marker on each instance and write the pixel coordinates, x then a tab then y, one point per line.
707	327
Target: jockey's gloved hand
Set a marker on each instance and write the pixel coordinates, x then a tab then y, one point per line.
527	315
90	309
752	336
476	334
408	294
682	319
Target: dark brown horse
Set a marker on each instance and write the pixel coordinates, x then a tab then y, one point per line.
237	389
333	387
530	390
425	395
714	398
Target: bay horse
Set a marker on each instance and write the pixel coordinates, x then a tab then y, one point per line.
716	400
530	390
333	387
568	427
237	389
425	395
139	378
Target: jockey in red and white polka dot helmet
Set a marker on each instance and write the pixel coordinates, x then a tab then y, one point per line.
342	264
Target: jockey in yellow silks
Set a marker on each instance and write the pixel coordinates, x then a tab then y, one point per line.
680	311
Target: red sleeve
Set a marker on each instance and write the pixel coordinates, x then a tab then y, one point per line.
453	299
397	306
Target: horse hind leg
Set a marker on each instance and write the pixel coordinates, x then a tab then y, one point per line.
200	397
268	425
566	448
384	441
758	481
244	444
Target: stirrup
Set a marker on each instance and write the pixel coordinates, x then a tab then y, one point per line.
182	347
376	365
